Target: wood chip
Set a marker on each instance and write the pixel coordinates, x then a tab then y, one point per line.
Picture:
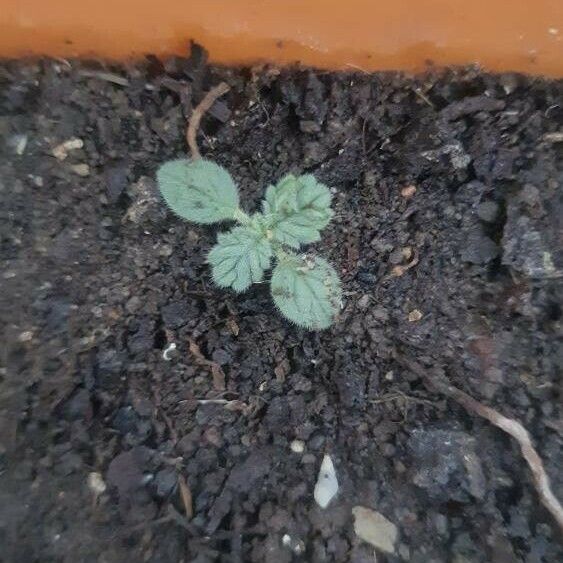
60	152
233	326
414	316
186	495
105	76
218	377
408	191
81	169
399	270
556	137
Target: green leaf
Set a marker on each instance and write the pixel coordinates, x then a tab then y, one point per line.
239	258
307	291
198	190
298	209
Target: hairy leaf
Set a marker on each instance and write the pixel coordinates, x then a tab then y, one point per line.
298	208
198	190
307	291
239	258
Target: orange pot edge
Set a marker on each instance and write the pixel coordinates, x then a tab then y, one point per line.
500	35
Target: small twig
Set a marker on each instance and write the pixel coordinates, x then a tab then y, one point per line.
106	76
211	401
356	67
510	426
197	114
424	97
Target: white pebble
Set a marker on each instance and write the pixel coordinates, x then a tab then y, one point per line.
81	169
20	142
60	152
96	483
25	336
327	483
297	446
296	545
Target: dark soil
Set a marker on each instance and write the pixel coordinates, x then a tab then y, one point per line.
456	173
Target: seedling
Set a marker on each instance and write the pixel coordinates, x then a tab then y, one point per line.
305	288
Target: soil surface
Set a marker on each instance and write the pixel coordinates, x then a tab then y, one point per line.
115	446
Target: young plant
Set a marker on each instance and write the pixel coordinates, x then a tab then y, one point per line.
305	288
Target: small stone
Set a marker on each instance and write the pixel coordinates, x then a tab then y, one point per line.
165	250
60	152
134	304
404	552
316	441
441	524
366	278
96	483
116	181
175	314
363	302
297	446
25	336
399	466
294	544
408	191
445	464
308	126
396	257
213	436
81	169
308	459
406	252
414	316
488	211
18	143
327	483
478	248
375	529
165	481
222	357
125	471
380	314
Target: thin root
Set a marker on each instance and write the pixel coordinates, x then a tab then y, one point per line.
197	114
510	426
